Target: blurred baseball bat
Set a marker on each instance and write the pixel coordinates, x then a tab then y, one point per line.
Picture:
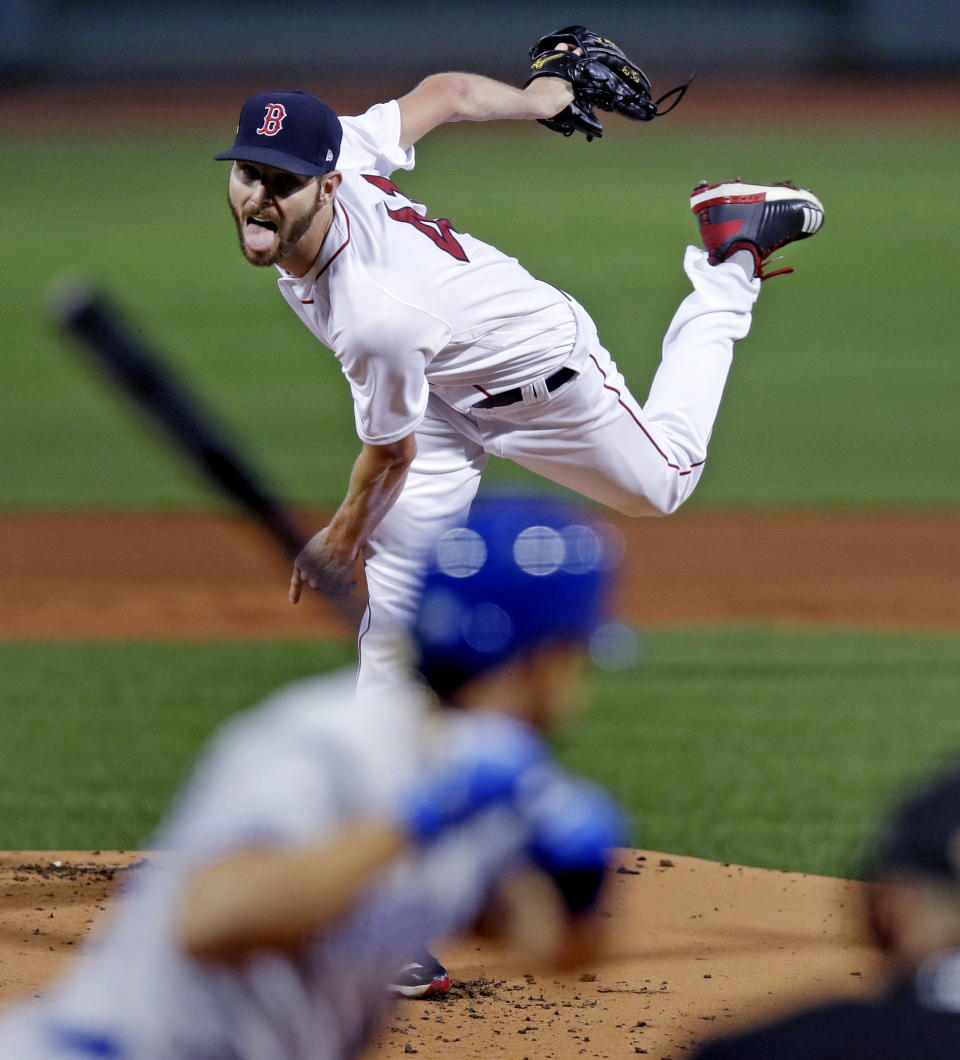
139	371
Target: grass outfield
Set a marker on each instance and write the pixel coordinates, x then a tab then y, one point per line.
843	395
763	747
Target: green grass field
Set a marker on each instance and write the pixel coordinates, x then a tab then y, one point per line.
764	746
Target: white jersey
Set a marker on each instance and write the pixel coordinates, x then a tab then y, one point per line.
291	771
410	305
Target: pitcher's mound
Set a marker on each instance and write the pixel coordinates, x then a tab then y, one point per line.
693	947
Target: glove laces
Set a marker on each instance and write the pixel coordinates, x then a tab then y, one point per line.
680	91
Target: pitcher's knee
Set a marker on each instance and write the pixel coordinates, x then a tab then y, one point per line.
663	498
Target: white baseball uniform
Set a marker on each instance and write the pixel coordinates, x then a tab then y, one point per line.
291	771
427	322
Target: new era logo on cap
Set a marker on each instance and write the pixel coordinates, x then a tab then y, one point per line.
290	130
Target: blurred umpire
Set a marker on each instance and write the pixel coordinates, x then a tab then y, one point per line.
323	836
913	909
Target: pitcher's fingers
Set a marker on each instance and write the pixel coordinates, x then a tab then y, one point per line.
296	582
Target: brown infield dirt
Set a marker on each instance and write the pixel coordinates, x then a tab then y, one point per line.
694	947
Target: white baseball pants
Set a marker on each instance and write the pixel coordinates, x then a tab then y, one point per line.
590	435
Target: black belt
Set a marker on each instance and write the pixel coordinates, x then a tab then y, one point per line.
511	397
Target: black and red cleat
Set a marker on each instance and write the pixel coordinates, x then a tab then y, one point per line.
760	218
423	977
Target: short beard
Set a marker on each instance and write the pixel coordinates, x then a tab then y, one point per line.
288	240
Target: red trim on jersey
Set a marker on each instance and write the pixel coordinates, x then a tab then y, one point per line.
630	412
342	246
477	386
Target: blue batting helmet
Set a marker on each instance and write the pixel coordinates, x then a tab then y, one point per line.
519	571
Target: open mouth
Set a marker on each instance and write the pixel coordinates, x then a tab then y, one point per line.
262	223
259	233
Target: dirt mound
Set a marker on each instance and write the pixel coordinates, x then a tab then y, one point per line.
693	947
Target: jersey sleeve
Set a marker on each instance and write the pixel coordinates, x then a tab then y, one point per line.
371	141
385	362
390	394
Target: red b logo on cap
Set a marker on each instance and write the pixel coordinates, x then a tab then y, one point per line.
272	120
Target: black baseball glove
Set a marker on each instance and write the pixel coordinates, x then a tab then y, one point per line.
601	76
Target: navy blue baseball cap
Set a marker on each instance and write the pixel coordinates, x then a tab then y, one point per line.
290	130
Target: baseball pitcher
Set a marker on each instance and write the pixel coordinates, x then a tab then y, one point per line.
452	350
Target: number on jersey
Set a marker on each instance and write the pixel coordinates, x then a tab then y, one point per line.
439	230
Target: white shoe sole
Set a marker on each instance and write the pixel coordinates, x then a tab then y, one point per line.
737	192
